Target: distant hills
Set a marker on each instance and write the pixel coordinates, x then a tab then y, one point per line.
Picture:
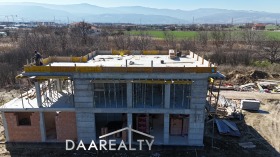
129	14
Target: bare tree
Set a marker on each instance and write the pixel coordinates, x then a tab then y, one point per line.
81	31
14	35
218	37
142	41
271	49
170	39
250	37
41	39
203	38
62	37
123	41
230	39
188	44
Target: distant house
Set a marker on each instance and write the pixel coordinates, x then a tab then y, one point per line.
3	34
258	26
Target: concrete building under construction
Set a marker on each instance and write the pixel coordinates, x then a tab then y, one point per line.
81	98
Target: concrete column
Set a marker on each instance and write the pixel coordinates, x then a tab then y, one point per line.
86	128
38	94
94	125
59	85
129	94
50	91
166	129
167	96
197	107
42	127
129	123
129	119
196	130
5	127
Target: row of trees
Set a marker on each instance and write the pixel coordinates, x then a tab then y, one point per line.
222	47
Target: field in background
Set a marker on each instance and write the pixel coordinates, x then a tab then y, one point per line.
190	34
160	34
275	34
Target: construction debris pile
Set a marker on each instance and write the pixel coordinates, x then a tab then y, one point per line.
254	80
228	108
239	78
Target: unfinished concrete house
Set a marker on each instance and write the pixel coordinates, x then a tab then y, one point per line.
81	98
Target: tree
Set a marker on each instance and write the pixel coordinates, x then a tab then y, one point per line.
62	37
143	41
122	42
203	38
218	37
81	31
230	39
170	39
251	37
271	49
188	44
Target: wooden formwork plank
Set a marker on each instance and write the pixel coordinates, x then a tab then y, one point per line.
121	69
36	68
150	52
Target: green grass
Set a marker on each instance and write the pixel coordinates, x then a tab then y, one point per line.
191	34
269	27
273	34
160	34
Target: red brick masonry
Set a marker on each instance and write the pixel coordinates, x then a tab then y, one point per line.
23	133
66	127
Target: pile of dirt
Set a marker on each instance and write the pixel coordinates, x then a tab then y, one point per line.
275	75
255	74
239	77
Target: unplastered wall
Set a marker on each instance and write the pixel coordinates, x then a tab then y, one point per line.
196	120
24	133
49	119
83	93
66	127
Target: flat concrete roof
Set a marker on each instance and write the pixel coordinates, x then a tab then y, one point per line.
136	61
58	100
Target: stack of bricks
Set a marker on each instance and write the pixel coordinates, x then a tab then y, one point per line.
66	127
23	133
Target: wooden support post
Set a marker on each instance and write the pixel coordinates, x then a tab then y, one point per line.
209	63
202	62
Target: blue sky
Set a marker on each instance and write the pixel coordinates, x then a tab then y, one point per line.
257	5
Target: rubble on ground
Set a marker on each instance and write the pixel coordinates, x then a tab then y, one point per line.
254	80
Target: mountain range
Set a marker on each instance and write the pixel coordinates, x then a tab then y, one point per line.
128	14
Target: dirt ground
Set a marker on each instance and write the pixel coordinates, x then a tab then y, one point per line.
261	128
267	123
7	95
266	120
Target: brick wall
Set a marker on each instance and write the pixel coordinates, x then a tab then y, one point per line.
23	133
66	127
